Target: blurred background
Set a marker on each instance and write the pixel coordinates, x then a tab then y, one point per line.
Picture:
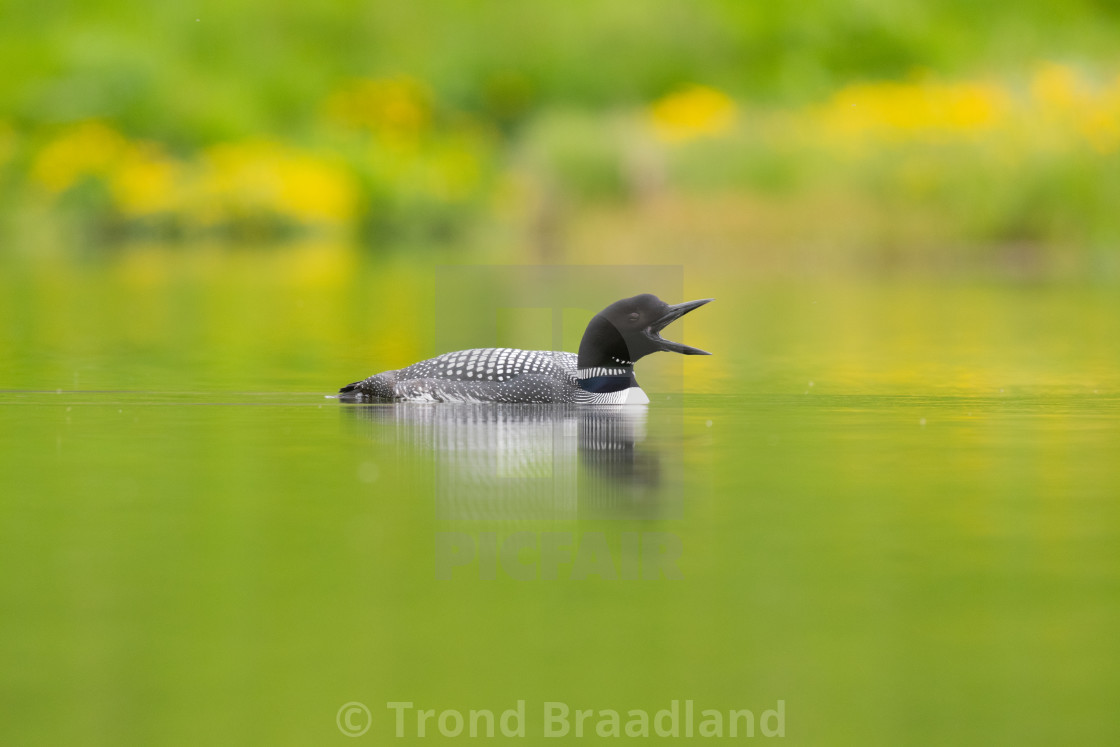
920	133
894	481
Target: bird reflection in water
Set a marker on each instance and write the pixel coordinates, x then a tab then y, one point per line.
529	462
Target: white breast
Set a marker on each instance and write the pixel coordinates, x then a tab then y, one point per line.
635	396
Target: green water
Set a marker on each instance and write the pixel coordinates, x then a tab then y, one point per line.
892	506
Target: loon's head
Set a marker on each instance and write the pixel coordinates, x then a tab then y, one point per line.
631	329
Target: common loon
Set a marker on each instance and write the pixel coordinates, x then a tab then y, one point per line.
602	372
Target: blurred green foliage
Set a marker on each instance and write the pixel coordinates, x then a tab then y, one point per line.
406	122
200	71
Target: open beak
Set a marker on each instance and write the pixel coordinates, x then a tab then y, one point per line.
653	331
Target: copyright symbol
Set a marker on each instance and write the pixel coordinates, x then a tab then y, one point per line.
353	719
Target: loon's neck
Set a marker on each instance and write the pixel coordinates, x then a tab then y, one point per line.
606	365
602	380
602	346
605	371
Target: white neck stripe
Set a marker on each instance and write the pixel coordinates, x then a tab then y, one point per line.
590	373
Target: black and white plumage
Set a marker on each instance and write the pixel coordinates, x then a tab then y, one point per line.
602	372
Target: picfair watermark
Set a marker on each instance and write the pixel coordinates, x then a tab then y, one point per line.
530	555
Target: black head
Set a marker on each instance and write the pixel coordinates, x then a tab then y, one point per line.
631	329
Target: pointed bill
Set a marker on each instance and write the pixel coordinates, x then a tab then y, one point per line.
674	313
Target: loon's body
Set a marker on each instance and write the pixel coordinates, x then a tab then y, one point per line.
501	375
602	372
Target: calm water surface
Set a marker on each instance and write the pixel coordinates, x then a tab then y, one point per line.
892	506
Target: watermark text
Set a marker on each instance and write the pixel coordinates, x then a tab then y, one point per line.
529	555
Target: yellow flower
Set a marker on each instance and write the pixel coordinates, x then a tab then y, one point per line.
81	150
393	106
914	110
1057	87
145	180
315	190
1101	127
696	111
1070	106
262	177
